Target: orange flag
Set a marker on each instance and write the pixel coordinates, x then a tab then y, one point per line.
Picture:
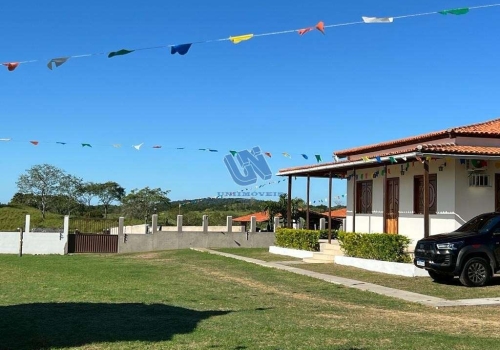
305	30
321	27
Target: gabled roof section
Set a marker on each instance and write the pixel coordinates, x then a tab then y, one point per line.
259	217
489	128
339	213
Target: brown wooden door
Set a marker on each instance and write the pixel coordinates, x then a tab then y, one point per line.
497	192
392	205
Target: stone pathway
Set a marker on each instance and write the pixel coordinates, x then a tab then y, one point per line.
374	288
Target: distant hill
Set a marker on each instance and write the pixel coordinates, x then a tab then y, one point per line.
13	216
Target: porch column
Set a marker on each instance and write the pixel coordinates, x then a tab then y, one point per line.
330	208
307	194
426	198
384	194
289	203
354	201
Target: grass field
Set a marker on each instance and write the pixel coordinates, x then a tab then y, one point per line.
422	285
191	300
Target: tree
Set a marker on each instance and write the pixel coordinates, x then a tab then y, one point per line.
43	182
69	190
142	203
87	192
108	192
280	208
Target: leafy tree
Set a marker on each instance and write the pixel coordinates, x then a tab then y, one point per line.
69	190
142	203
108	192
43	182
280	208
87	192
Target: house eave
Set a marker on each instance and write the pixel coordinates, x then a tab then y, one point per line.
341	168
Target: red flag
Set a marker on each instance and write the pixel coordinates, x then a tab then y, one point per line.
11	66
305	30
268	154
34	142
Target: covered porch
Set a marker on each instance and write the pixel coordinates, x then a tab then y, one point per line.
420	159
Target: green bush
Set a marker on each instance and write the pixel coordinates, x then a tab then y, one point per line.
297	239
377	246
323	234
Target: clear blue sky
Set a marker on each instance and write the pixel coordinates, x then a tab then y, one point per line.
313	94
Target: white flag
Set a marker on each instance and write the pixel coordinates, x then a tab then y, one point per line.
378	19
138	147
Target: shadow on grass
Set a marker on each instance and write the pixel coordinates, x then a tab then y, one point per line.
495	281
52	325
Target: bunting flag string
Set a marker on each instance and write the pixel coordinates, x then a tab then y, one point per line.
141	145
183	49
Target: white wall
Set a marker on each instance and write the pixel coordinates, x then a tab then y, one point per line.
410	224
34	243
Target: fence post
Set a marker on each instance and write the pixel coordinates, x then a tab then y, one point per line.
66	233
253	224
154	223
205	223
179	223
121	222
276	223
20	241
322	224
27	223
229	224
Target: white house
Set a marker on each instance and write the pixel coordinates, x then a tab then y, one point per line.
460	167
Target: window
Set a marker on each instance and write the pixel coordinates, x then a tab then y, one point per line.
418	194
479	180
364	197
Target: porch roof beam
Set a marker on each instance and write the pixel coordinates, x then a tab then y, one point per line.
345	166
459	156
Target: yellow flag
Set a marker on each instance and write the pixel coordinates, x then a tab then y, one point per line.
238	39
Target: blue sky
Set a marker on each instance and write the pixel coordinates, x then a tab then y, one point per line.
313	94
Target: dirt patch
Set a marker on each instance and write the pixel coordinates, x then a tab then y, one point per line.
148	256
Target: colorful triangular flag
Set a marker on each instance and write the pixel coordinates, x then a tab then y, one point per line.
379	160
305	156
305	30
138	147
180	49
287	155
318	158
61	143
5	139
157	146
321	27
268	154
57	62
119	53
34	142
238	39
86	145
378	19
11	65
233	153
459	11
393	160
117	145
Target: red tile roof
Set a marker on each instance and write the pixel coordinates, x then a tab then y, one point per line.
260	217
339	213
488	128
465	150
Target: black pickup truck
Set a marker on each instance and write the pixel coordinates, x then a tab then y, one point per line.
472	252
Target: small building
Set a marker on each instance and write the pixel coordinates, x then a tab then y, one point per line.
416	186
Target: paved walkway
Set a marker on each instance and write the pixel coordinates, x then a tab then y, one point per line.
374	288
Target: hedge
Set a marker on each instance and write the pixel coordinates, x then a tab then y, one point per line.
324	234
297	239
377	246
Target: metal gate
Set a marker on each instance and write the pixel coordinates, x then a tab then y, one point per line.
93	236
92	243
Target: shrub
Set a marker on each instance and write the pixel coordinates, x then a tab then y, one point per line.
324	234
377	246
297	239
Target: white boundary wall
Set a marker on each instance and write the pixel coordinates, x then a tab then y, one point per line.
35	242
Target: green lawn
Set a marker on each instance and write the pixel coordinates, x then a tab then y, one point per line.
191	300
422	285
257	253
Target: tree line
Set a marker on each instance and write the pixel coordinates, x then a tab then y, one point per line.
50	188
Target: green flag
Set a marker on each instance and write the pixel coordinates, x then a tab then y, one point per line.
233	153
318	157
392	159
86	145
119	53
461	11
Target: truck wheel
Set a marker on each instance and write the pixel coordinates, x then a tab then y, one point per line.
440	277
476	273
